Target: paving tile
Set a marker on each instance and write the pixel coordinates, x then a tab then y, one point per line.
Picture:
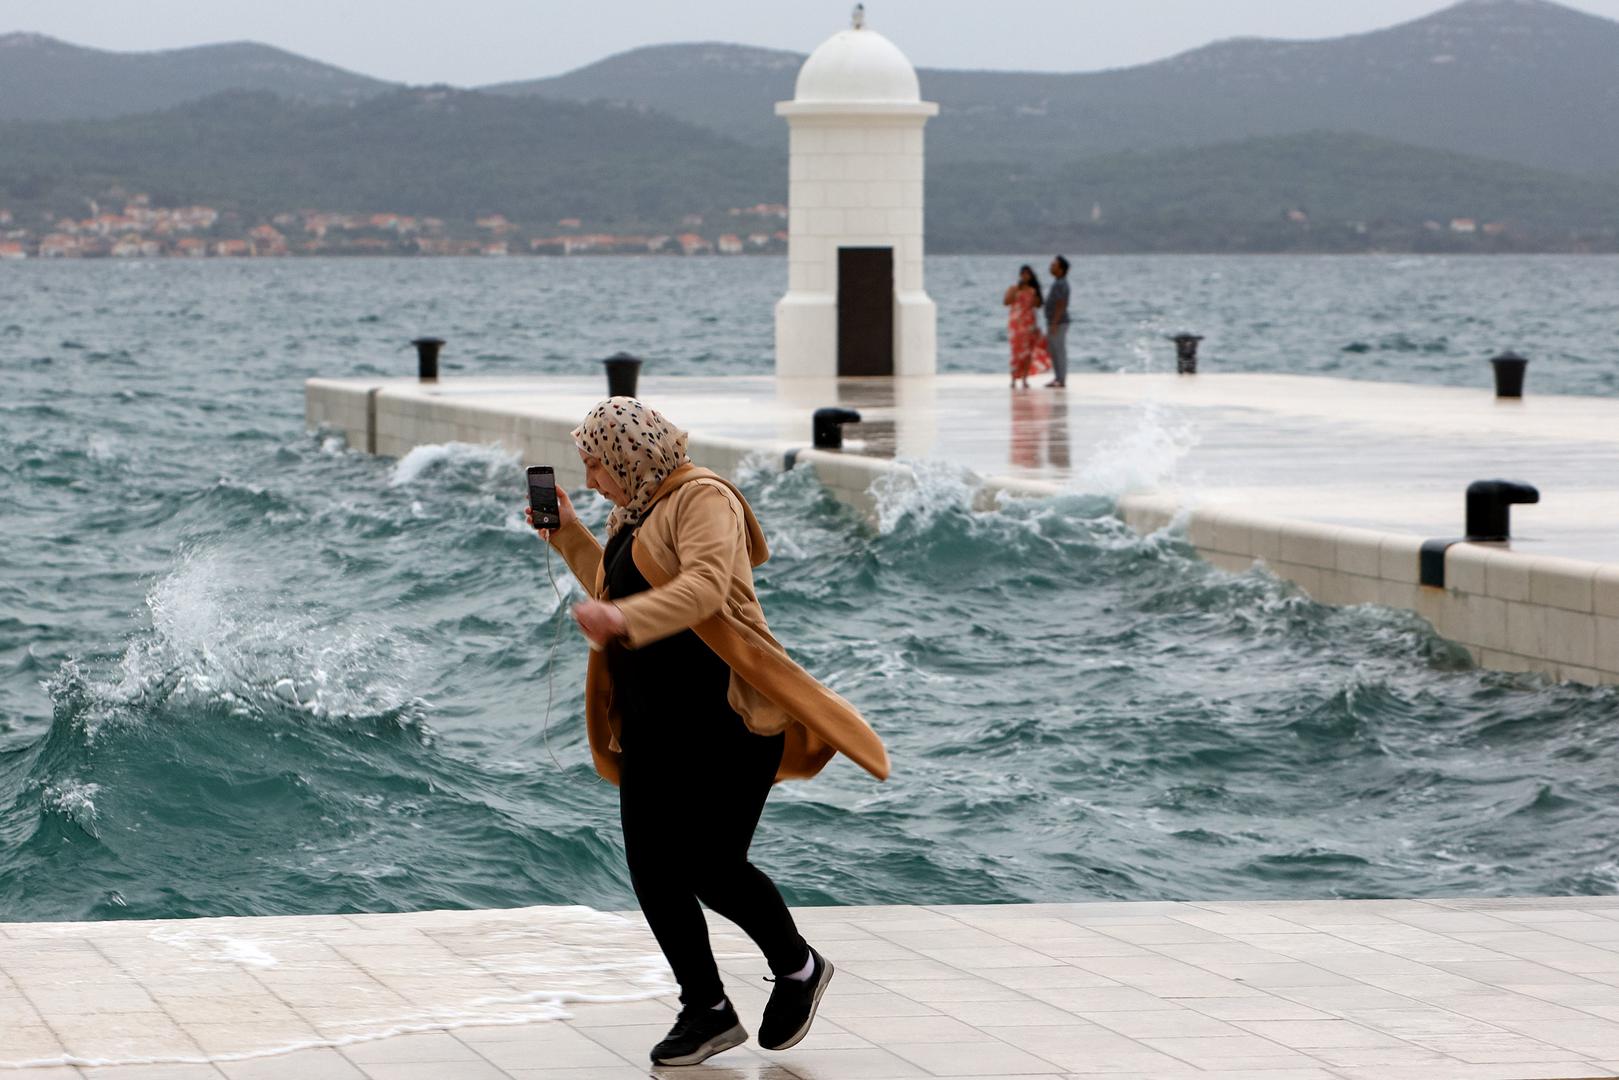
320	1064
839	1006
1174	990
1309	1034
1589	1038
1407	1023
994	956
931	991
1508	972
887	1030
1006	1013
1160	933
1247	1051
1101	999
130	1048
548	1047
1163	1022
1501	1048
1220	955
236	1038
992	1058
152	1072
1582	992
1254	1008
613	1014
869	1064
1045	977
1461	1070
428	1047
891	971
1287	973
431	1070
1087	1048
964	937
606	1072
1497	1006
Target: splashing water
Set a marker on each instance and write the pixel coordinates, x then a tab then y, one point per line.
246	672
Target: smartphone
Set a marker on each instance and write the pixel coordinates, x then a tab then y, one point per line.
542	497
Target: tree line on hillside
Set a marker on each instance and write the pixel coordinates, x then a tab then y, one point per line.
460	155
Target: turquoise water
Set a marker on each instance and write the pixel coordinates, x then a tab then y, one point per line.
246	671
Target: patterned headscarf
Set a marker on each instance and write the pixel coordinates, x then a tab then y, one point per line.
638	446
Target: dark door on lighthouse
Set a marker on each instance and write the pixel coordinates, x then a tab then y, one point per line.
865	311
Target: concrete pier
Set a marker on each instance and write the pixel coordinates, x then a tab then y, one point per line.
1381	990
1332	484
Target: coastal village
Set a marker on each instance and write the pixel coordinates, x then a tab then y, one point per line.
140	229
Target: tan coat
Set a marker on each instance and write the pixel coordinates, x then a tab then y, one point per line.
697	546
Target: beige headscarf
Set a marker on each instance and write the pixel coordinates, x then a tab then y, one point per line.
638	445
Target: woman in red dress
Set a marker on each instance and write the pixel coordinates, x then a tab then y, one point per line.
1029	356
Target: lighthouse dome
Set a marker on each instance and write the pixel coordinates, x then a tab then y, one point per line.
857	65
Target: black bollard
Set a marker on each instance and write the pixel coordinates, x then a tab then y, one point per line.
623	372
826	427
1509	371
1489	507
1489	520
427	357
1186	353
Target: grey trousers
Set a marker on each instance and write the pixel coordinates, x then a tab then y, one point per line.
1057	346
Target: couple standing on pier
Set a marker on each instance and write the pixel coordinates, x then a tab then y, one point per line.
1032	351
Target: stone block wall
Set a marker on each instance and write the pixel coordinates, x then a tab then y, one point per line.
1512	610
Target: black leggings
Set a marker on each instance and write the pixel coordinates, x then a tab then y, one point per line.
689	810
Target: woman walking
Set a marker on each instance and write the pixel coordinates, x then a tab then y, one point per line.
694	710
1029	356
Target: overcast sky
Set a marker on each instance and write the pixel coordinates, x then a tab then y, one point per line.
470	42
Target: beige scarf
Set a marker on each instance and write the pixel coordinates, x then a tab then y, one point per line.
638	446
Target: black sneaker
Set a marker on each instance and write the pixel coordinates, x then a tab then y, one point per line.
792	1006
699	1033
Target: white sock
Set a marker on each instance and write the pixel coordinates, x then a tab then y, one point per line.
803	973
721	1005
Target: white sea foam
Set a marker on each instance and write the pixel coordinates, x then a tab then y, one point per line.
223	629
569	956
1148	455
75	800
493	460
103	448
920	492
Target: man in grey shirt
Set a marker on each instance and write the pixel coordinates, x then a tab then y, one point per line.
1057	322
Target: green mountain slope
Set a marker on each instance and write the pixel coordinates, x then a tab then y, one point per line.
1352	192
45	79
459	154
448	153
1521	80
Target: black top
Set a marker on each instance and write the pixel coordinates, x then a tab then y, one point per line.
663	687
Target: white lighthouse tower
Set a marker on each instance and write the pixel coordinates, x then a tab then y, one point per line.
855	303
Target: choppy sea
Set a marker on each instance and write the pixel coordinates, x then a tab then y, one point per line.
246	670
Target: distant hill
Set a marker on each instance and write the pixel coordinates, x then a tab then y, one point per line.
1527	81
1320	191
45	79
729	88
457	155
450	153
1502	112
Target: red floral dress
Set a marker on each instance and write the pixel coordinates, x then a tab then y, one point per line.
1029	356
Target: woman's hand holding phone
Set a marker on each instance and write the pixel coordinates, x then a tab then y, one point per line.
565	511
